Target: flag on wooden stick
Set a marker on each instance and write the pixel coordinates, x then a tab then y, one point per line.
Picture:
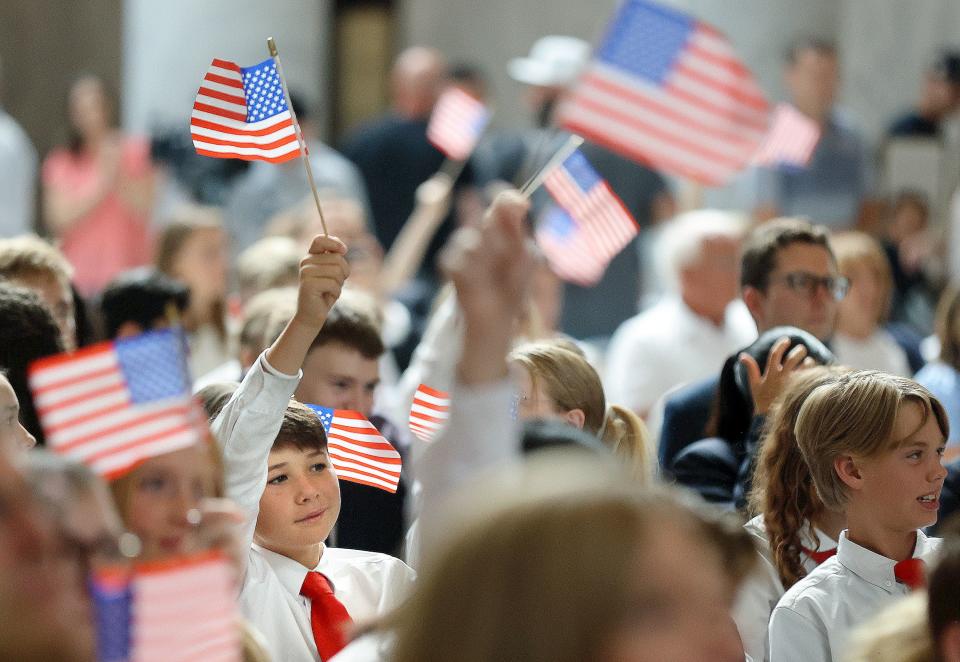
457	122
242	113
429	412
791	139
357	450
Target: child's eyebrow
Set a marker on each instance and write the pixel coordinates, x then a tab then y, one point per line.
276	466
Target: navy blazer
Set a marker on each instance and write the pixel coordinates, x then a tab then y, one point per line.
685	416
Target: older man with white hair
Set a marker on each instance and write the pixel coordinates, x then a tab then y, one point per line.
700	321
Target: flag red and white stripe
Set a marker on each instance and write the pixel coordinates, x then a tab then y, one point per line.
185	610
791	140
457	122
671	92
357	450
429	412
89	410
241	113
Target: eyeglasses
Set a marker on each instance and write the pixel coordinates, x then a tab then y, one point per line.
802	282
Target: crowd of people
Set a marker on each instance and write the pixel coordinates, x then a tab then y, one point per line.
741	444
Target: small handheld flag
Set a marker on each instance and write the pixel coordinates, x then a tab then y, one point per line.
669	91
242	113
358	451
791	140
177	609
593	225
429	412
457	122
116	403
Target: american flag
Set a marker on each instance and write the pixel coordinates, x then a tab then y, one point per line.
429	412
116	403
176	610
185	610
357	450
242	113
580	240
791	140
456	124
668	90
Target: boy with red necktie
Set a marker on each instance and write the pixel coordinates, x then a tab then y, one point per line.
874	445
300	594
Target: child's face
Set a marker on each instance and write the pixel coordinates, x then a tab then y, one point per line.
339	377
14	438
903	485
164	490
860	310
301	502
682	608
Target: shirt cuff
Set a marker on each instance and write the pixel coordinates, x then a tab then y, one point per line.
276	373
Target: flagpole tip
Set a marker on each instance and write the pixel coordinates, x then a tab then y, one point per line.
272	46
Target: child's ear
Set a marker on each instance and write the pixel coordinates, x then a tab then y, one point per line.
575	417
849	471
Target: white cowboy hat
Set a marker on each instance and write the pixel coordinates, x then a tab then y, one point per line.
554	60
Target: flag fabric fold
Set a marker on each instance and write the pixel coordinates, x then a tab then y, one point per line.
456	124
114	404
589	225
429	412
669	91
357	450
242	113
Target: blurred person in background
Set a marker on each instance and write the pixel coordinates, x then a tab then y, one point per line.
689	332
939	98
18	186
861	341
193	250
553	65
98	190
268	188
836	186
942	376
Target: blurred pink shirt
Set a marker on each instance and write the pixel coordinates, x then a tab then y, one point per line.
111	238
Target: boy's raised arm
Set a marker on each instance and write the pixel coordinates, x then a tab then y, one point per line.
248	424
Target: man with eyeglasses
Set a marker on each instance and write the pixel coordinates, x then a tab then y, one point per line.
788	278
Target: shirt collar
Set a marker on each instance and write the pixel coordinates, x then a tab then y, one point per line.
874	568
290	573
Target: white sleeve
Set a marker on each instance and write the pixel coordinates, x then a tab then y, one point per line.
797	638
246	428
756	598
481	432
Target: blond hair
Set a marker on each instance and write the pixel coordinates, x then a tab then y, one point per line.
559	367
266	264
855	416
29	256
468	605
899	633
856	248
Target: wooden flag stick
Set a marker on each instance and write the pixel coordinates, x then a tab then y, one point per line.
275	54
568	148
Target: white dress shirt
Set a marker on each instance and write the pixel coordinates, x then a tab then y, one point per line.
18	185
814	619
367	583
668	344
878	352
762	590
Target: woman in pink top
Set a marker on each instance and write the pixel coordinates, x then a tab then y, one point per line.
97	192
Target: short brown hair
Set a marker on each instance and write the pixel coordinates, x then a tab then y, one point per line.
301	429
29	256
764	244
855	416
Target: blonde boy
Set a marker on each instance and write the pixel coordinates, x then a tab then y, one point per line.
297	592
874	444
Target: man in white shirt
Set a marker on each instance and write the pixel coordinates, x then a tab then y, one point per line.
18	185
686	335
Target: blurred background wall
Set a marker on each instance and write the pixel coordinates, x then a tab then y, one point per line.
337	51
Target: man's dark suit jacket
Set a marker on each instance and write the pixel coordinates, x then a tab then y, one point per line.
685	416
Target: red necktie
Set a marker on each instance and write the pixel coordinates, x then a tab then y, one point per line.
912	572
328	617
819	557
